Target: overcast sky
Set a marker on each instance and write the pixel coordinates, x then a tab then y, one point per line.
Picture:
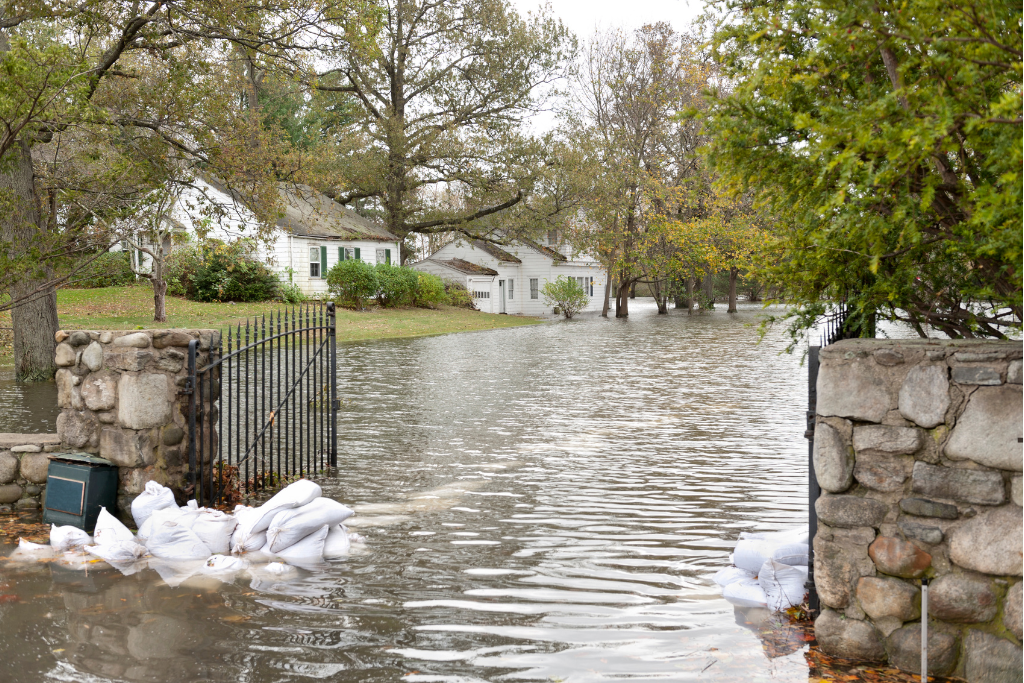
583	16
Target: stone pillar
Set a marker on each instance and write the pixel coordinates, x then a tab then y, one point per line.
120	398
917	450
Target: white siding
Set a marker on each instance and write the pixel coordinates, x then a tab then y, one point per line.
285	251
535	264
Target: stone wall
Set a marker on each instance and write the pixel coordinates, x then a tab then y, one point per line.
917	451
23	465
120	395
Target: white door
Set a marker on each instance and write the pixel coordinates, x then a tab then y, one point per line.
501	296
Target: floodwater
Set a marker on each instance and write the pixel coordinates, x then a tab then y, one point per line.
543	503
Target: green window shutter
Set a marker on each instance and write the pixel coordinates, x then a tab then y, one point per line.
323	261
387	256
357	253
341	254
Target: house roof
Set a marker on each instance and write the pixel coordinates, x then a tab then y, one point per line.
310	213
542	249
465	266
494	251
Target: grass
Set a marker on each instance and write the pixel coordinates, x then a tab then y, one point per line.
127	308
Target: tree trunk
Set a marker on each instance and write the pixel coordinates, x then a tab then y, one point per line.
159	285
709	291
733	272
632	291
622	302
662	301
689	295
35	321
607	291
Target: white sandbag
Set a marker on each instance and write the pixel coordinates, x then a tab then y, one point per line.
182	516
745	593
337	543
242	540
154	497
117	551
783	585
214	528
218	564
64	538
751	553
110	530
172	541
291	526
30	547
793	554
252	523
723	577
309	548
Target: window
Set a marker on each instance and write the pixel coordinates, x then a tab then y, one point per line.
347	253
481	295
586	284
534	288
552	238
511	289
314	262
382	256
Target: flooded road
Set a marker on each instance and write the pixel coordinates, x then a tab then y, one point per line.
543	503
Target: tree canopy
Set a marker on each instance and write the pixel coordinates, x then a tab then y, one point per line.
885	140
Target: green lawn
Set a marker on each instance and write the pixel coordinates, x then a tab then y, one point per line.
127	308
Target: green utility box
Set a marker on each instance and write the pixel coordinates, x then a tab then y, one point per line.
77	485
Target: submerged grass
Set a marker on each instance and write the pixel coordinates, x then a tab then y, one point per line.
127	308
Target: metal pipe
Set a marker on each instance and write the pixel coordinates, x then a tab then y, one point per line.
924	630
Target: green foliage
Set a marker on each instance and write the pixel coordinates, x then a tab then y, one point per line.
396	285
289	292
112	269
566	293
886	139
458	295
220	272
352	282
430	291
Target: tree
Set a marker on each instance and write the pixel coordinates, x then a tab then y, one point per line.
99	100
566	293
444	94
886	140
644	159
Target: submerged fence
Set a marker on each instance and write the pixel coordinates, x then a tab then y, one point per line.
265	408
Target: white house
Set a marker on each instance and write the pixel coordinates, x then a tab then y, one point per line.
311	236
508	279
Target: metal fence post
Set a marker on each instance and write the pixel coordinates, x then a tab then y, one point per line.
813	489
190	385
331	329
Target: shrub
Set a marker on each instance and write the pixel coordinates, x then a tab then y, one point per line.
289	292
458	295
220	272
396	285
352	282
112	269
430	291
181	266
566	293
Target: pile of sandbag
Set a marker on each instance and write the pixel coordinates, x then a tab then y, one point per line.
297	524
770	570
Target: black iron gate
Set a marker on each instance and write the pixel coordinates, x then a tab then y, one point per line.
265	408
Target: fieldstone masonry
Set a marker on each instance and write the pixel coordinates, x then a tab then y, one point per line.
120	395
917	450
23	465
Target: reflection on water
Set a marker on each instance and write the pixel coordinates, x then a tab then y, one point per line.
540	504
29	407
